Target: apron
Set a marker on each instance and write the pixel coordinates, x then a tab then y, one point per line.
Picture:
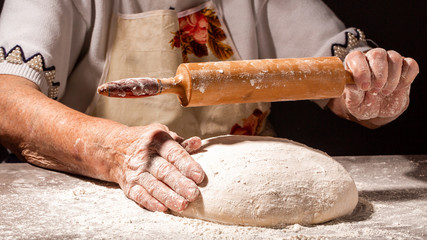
153	44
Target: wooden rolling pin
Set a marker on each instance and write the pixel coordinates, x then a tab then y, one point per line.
266	80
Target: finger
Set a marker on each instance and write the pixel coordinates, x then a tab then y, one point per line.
169	174
159	126
395	104
356	62
143	198
362	105
176	137
377	59
370	107
174	153
192	144
394	60
162	193
410	70
353	96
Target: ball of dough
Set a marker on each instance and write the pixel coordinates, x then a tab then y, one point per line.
271	182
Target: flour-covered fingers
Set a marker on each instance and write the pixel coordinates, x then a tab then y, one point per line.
357	63
377	59
161	192
394	60
174	153
192	144
410	70
175	136
353	96
169	174
138	194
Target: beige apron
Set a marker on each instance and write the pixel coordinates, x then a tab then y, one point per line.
153	44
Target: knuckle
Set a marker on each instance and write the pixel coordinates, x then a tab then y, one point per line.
164	170
353	54
377	53
394	56
148	182
174	155
159	126
158	138
138	195
363	73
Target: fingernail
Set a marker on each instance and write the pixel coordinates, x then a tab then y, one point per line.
193	193
182	205
197	176
160	208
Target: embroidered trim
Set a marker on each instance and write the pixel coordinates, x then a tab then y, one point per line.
253	125
200	31
36	62
351	42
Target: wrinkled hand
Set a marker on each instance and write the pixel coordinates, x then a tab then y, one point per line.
381	91
157	171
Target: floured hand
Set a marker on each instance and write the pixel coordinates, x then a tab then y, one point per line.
156	169
381	93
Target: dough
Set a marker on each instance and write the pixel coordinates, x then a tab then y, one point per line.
272	182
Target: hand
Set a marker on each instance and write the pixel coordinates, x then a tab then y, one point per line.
151	164
381	91
157	171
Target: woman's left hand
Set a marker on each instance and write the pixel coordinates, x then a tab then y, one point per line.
381	91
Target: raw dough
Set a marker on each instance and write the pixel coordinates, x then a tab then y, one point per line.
266	181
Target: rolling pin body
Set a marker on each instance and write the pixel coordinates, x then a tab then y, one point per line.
266	80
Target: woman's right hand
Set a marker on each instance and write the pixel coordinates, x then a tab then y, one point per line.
155	167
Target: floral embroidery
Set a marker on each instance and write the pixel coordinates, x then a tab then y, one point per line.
252	125
198	32
36	62
351	42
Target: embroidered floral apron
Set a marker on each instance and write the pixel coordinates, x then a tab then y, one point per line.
153	44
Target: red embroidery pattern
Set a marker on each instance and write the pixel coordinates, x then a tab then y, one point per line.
198	32
251	125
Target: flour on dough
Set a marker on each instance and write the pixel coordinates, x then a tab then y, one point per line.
272	182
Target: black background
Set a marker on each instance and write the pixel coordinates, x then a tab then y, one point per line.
398	25
393	24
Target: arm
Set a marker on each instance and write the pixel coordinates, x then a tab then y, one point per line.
381	93
148	163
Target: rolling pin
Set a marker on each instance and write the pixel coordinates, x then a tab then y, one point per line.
227	82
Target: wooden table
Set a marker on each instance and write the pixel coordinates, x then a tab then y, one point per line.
40	204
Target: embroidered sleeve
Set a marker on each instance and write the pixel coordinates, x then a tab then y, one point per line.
42	40
32	67
352	42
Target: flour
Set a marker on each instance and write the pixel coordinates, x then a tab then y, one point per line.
264	181
392	205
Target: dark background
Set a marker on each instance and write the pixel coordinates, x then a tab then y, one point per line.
398	25
392	24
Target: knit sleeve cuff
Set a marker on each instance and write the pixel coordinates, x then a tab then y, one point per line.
25	72
33	69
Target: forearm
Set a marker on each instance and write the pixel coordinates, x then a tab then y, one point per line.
48	134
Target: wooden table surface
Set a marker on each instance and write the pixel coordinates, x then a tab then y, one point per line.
40	204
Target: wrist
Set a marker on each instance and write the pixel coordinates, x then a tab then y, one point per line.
113	151
97	148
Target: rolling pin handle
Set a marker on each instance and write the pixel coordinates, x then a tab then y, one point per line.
131	88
